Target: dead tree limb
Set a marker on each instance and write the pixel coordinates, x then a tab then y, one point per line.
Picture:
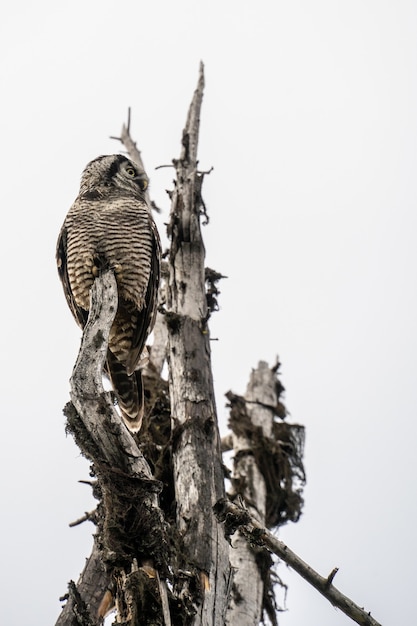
134	153
236	517
91	587
95	407
198	474
131	527
130	145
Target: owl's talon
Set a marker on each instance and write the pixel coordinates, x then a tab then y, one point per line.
117	268
95	271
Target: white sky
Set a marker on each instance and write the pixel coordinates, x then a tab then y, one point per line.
309	120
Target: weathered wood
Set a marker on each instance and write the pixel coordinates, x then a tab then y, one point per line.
91	587
133	151
248	586
236	517
198	473
124	478
94	405
158	354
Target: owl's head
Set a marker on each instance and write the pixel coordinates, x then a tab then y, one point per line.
115	172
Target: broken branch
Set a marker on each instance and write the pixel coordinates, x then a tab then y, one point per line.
236	517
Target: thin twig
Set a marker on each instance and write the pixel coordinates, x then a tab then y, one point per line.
89	516
160	167
129	144
331	576
90	483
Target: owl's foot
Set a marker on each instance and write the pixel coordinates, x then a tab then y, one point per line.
96	269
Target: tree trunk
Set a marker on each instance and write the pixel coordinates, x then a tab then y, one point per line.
198	473
248	585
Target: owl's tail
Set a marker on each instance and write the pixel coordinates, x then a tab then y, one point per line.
129	392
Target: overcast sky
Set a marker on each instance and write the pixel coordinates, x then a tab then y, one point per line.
310	121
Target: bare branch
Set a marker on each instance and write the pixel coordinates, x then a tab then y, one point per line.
236	517
134	154
330	578
89	516
160	167
94	405
129	144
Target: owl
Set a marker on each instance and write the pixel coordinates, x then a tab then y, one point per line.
110	226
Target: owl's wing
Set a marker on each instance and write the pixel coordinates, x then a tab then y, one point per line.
146	317
81	316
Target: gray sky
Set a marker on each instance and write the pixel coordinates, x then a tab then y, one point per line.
309	119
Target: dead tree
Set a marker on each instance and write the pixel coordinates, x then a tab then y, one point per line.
161	555
267	479
198	473
181	542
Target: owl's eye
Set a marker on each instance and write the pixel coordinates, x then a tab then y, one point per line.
139	176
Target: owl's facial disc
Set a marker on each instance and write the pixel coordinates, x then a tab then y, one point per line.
112	172
132	173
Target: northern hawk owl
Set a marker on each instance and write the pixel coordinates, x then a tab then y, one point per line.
110	226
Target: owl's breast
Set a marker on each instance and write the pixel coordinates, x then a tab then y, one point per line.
118	239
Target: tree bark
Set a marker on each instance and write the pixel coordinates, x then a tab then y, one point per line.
198	473
91	587
131	528
94	405
248	584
